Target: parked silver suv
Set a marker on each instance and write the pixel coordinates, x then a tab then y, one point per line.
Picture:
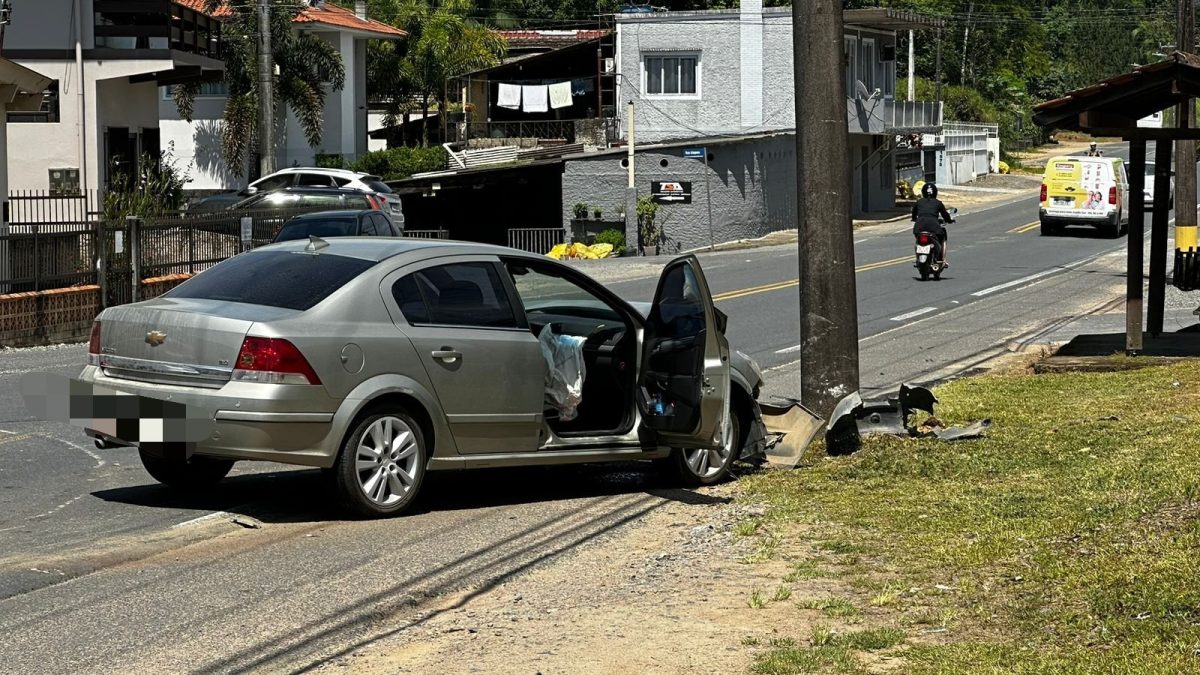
382	358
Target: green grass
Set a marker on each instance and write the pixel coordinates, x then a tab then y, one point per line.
757	599
1068	539
803	571
833	607
830	651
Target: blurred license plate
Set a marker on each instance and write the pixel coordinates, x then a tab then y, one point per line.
1063	201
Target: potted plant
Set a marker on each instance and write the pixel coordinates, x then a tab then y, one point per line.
580	211
597	212
647	210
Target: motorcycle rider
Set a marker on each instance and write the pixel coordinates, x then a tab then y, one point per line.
1093	151
926	213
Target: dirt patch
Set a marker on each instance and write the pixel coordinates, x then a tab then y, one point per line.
672	595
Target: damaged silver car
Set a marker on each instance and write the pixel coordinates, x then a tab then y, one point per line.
380	359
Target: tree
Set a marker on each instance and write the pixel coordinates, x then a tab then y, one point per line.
443	42
308	69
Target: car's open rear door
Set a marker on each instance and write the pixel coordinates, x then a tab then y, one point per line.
683	386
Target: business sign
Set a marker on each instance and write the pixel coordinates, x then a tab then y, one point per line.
694	153
247	224
665	192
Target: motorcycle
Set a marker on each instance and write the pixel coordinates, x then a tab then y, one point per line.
930	253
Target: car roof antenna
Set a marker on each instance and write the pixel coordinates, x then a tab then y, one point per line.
315	244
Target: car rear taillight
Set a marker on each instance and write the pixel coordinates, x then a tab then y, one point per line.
923	239
1112	195
94	345
1043	198
273	361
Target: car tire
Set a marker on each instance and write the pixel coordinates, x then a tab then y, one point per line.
193	473
1048	229
381	465
692	468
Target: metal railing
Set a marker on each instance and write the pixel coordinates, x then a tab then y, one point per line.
37	260
563	130
52	212
536	239
427	234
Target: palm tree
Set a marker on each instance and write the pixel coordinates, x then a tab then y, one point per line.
306	64
443	42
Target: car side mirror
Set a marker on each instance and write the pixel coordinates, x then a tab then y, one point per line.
249	191
722	320
952	211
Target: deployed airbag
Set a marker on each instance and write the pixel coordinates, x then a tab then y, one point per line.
565	371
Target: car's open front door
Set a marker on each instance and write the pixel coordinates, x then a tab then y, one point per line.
683	385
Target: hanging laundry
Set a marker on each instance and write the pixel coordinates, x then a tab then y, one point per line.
560	95
510	96
533	98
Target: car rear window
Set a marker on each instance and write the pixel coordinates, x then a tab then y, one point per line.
377	185
273	279
328	227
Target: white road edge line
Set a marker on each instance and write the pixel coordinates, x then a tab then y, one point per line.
6	431
914	314
1035	277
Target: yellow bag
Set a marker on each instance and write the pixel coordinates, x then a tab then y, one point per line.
557	252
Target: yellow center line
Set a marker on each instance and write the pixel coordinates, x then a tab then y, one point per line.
780	285
1027	227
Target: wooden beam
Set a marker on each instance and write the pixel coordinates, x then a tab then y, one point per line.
1102	118
1146	134
1135	242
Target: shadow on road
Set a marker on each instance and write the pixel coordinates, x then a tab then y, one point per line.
304	496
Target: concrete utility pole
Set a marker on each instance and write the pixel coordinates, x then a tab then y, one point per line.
1185	150
828	304
266	92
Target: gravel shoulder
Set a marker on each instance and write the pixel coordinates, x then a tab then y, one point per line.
670	595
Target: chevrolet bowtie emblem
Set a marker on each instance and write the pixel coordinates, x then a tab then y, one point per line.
155	338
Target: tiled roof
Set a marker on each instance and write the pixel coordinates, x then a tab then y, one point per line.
327	14
543	36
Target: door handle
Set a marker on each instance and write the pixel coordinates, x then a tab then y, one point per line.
447	354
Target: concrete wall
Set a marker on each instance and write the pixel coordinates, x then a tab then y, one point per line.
753	186
35	147
745	74
197	144
344	130
47	24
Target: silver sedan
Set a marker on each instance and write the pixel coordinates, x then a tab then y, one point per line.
381	359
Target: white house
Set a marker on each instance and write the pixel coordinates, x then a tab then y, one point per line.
126	55
106	62
198	143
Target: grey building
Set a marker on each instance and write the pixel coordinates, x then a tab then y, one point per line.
727	73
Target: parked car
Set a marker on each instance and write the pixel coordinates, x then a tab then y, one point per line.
310	197
1085	191
381	359
364	223
307	177
1148	191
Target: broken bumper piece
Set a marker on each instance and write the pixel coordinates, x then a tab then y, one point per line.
854	419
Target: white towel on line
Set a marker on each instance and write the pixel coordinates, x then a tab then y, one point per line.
560	95
533	98
510	96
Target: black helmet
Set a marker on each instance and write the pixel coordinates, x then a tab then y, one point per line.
929	190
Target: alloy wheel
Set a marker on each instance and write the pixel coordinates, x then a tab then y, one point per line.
386	461
705	462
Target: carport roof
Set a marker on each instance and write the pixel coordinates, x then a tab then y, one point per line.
1113	107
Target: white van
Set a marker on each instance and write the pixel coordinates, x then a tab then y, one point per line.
1085	191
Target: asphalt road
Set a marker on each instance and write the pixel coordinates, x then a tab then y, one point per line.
101	569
